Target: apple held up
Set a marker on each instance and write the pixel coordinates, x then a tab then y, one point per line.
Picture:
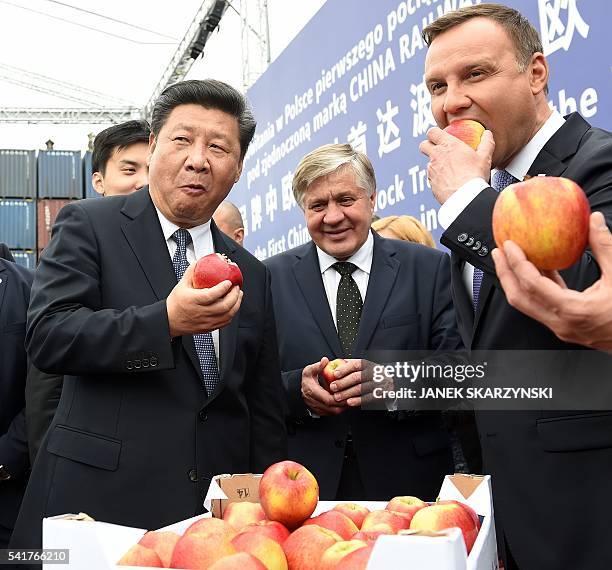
328	371
211	269
466	130
288	493
547	217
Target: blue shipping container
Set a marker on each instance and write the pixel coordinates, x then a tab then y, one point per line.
18	223
60	174
89	191
25	258
17	173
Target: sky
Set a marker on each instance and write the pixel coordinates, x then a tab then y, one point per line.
60	40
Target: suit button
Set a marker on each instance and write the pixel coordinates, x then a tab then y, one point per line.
153	360
476	246
462	237
202	415
339	443
484	250
129	365
193	475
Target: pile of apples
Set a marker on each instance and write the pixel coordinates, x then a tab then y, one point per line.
278	533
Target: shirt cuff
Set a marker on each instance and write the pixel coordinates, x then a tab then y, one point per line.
450	210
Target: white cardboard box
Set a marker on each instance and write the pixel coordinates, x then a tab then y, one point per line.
98	545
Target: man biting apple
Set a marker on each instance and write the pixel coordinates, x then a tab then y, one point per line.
346	292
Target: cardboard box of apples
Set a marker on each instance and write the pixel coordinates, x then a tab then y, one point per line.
276	521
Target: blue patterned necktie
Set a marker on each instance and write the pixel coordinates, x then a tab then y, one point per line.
203	342
501	179
348	307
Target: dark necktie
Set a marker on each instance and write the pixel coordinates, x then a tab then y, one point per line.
203	342
501	179
348	307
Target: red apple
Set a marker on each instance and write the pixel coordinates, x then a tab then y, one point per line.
336	552
547	217
240	514
162	542
305	546
469	509
353	511
271	529
214	268
405	505
140	555
288	493
385	521
336	521
212	526
240	561
195	550
447	515
466	130
266	550
356	560
328	371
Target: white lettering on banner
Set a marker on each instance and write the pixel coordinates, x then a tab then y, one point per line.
410	43
287	192
357	137
297	236
299	105
253	174
418	178
271	202
556	34
420	103
334	108
259	140
245	222
277	153
388	131
377	70
429	218
567	105
276	246
260	253
390	196
363	49
256	217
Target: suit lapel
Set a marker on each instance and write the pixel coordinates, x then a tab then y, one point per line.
383	275
307	274
227	335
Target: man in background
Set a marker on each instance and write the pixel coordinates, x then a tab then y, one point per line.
119	166
229	220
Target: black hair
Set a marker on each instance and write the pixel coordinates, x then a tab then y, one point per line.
211	94
115	138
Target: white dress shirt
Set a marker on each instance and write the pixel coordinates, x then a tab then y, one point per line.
362	258
518	167
201	245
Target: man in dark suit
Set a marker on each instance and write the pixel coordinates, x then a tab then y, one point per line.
486	63
15	283
165	385
402	296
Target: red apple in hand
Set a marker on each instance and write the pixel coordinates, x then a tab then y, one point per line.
214	268
466	130
288	493
328	371
547	217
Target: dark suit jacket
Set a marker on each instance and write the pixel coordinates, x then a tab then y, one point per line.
15	283
407	307
543	465
135	439
5	252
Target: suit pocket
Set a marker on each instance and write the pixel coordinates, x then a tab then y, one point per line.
85	447
400	320
576	432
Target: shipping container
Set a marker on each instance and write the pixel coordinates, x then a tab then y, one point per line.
89	191
47	210
60	174
27	258
17	173
18	223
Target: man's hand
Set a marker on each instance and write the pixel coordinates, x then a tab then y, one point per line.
452	163
192	311
354	384
583	318
319	400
